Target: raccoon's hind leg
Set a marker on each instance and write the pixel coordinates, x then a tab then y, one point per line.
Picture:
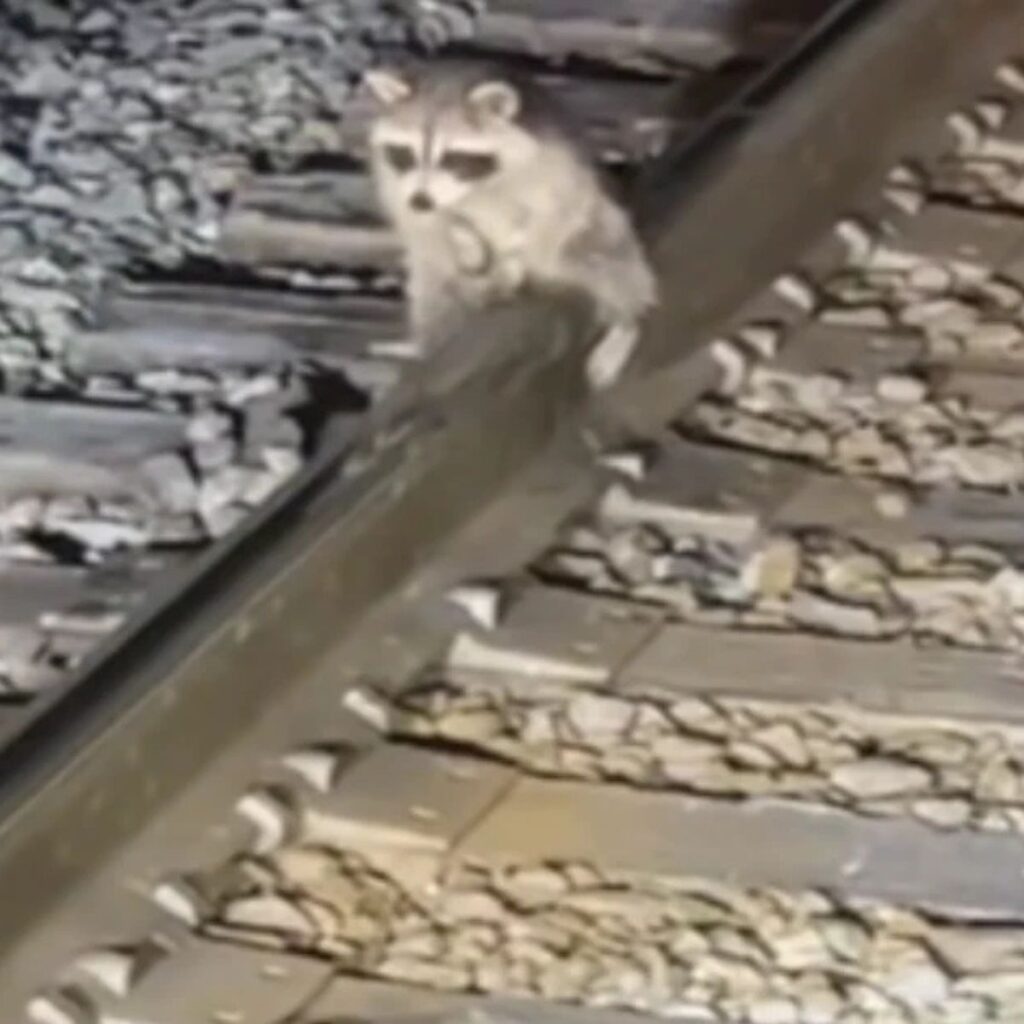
608	358
606	261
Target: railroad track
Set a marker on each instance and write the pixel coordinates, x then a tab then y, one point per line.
712	716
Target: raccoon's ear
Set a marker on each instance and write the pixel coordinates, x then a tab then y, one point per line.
496	99
388	85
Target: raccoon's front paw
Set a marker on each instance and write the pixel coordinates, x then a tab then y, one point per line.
472	253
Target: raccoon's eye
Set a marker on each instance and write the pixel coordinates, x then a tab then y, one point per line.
468	166
400	158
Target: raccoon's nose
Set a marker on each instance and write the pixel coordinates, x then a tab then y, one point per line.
421	202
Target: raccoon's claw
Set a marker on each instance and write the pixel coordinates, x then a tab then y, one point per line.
609	356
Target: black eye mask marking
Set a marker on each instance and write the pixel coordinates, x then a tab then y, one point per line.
468	166
400	158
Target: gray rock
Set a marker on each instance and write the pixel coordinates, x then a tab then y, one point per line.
224	487
599	718
876	778
472	906
50	196
995	338
434	974
784	742
20	646
817	612
215	454
282	462
100	19
901	389
221	520
95	620
172	483
46	79
681	751
533	887
772	571
922	986
774	1010
267	427
14	173
210	425
261	486
268	912
183	530
21	515
470	725
999	781
98	534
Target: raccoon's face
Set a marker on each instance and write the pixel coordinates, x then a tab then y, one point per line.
440	139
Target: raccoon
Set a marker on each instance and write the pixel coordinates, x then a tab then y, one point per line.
491	190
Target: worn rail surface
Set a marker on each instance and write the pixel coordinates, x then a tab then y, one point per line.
700	702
